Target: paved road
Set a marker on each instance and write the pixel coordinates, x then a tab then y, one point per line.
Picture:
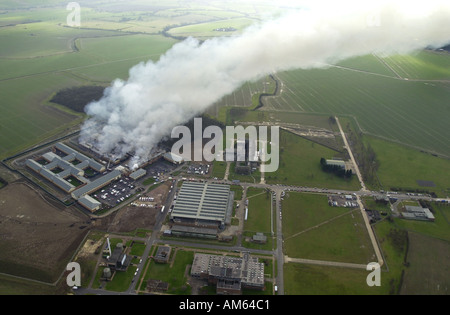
154	237
349	150
358	199
324	263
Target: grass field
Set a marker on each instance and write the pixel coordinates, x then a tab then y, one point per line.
175	275
207	30
259	218
314	230
300	165
428	272
303	279
403	167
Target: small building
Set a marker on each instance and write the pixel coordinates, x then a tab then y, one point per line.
162	254
107	274
259	238
119	261
89	203
157	285
138	174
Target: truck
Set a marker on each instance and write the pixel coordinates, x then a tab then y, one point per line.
162	209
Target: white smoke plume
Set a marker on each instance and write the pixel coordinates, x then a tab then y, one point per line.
134	115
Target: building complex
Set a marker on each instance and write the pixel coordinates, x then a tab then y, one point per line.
229	274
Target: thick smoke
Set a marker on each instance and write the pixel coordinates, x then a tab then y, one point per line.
134	115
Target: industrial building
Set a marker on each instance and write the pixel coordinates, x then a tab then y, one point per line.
59	169
259	238
96	184
54	178
193	231
203	205
246	159
73	155
138	174
418	213
229	274
119	261
173	158
89	203
65	168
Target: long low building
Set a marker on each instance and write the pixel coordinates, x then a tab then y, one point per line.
65	166
89	203
75	155
138	174
54	178
418	213
203	205
96	184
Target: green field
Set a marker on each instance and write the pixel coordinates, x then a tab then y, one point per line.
402	167
314	230
428	271
175	275
259	218
409	112
300	165
303	279
207	30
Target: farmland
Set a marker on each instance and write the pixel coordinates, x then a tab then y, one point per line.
398	106
407	110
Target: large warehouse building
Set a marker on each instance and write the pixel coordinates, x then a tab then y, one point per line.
203	205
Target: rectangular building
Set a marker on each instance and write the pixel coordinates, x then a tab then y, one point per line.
96	184
338	163
138	174
203	205
230	274
89	203
418	213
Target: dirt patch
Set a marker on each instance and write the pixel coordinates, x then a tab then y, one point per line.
131	218
138	216
90	248
37	237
